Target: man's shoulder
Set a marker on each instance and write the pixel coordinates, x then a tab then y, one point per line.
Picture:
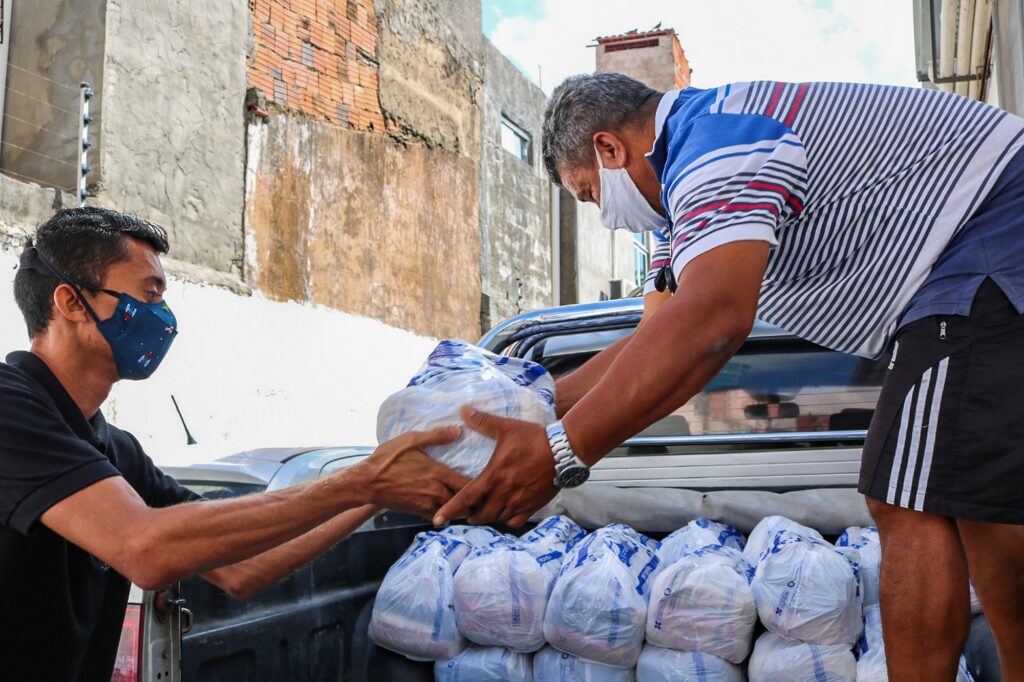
15	382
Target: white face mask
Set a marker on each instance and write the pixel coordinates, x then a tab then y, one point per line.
623	207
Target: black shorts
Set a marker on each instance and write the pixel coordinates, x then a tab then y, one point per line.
947	436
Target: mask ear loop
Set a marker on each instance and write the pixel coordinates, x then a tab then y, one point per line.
32	256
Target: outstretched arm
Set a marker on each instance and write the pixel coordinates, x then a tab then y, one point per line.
152	547
666	362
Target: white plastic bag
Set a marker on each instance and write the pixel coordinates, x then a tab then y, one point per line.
869	551
598	606
871	649
501	593
413	613
975	602
476	536
485	664
696	534
665	665
552	665
776	659
458	373
554	531
807	590
766	527
703	602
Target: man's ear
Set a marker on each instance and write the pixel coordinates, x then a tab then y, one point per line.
611	148
67	303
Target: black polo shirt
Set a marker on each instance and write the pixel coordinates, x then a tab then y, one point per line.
61	608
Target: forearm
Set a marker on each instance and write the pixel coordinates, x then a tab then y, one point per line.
570	388
183	540
244	579
666	362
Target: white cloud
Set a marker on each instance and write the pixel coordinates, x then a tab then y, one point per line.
726	40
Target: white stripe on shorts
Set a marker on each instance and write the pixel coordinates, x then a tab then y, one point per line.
929	445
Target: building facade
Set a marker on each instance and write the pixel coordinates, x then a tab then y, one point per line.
343	182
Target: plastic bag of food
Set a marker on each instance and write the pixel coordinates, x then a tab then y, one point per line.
869	551
696	534
598	606
665	665
556	532
458	373
777	659
476	536
757	541
413	612
501	593
552	665
807	590
703	602
485	664
871	651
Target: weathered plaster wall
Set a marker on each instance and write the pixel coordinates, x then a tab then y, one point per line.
515	199
173	123
356	222
431	69
54	46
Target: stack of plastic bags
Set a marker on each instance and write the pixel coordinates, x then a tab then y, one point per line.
598	606
458	373
869	557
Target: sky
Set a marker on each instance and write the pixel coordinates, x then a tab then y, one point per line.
724	40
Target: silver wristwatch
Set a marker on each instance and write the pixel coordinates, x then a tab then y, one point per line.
570	471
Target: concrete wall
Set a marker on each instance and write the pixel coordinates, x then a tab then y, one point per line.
173	122
515	199
591	254
54	46
356	222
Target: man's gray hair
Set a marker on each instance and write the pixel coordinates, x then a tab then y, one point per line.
582	106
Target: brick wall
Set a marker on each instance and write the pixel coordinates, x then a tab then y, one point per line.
318	57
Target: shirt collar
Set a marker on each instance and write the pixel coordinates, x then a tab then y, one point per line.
92	430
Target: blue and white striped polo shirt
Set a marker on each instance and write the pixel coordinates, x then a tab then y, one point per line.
858	188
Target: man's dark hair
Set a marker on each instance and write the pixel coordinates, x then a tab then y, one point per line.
583	105
82	243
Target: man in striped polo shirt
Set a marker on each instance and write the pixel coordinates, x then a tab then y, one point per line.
863	218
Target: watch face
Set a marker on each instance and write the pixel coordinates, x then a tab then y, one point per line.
573	476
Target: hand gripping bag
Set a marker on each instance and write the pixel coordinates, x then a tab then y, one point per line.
776	659
665	665
807	590
500	594
758	539
598	606
458	373
696	534
413	613
869	551
552	665
871	651
703	602
485	664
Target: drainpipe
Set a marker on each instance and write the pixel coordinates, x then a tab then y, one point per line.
947	48
964	35
980	46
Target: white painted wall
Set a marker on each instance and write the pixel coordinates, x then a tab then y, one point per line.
248	372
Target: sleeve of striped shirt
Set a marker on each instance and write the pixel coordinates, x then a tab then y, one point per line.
731	177
661	257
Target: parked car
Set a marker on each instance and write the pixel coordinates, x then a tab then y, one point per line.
782	415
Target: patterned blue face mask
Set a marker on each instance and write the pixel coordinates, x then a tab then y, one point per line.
139	333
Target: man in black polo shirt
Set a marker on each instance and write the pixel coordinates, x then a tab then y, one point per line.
83	510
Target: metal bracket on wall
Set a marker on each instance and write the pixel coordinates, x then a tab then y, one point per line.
85	96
